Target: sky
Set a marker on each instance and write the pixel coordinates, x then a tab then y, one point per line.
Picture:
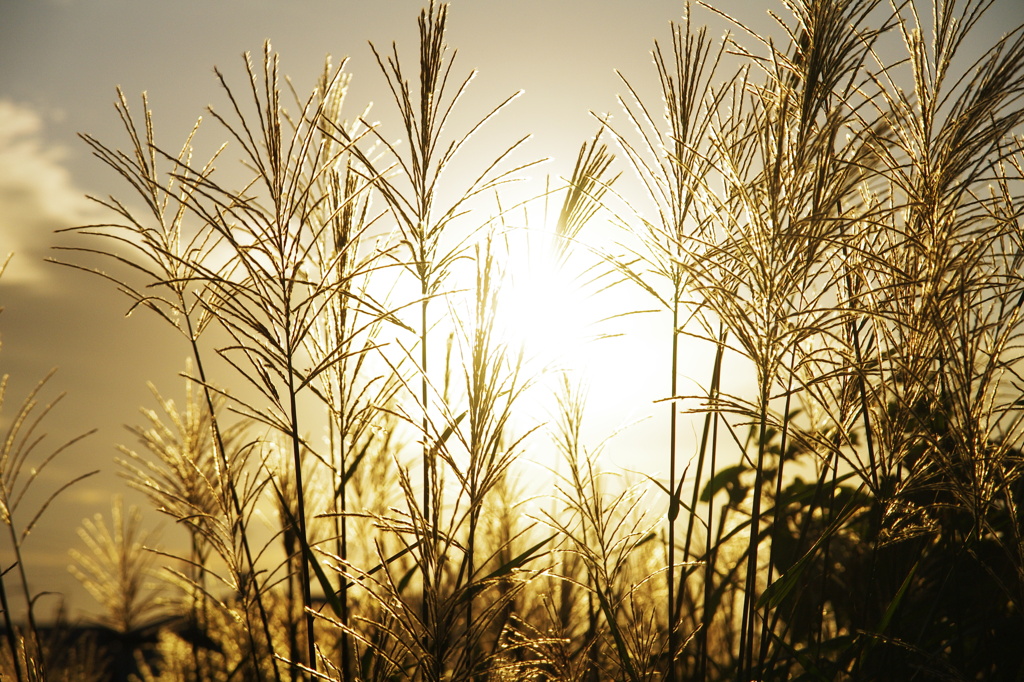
63	59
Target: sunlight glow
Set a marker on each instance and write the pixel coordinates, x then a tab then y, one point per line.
547	306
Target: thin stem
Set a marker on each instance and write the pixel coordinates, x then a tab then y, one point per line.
746	657
673	502
237	525
9	632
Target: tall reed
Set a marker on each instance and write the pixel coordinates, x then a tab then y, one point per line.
118	568
24	459
179	471
427	232
670	158
842	228
161	250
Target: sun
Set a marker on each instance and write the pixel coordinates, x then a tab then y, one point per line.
548	306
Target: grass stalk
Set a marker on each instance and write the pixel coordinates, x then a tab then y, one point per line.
168	257
671	163
845	231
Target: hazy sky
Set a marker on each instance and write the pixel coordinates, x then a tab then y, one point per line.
61	61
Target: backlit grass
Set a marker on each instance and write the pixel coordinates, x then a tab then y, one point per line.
367	486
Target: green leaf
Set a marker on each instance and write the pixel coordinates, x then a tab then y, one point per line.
729	479
775	593
894	604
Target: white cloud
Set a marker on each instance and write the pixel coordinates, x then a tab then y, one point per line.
37	193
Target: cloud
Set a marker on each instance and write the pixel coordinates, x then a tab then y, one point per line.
37	193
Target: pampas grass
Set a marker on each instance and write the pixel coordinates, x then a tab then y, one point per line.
839	225
24	457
